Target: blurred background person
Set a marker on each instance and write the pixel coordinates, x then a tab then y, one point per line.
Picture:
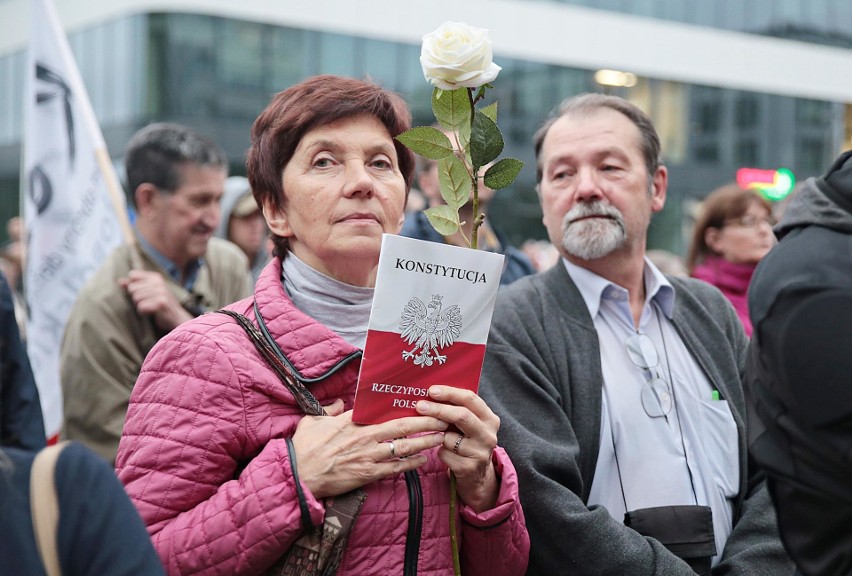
21	420
798	372
12	267
242	223
668	262
416	201
98	531
416	225
541	253
225	466
732	233
174	271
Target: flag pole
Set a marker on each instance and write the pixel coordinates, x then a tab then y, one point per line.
116	195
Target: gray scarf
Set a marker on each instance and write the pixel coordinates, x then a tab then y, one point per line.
343	308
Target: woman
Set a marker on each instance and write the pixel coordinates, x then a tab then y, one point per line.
224	467
731	235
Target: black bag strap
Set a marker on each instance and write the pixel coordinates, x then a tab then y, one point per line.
270	351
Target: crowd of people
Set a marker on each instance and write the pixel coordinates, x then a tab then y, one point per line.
632	418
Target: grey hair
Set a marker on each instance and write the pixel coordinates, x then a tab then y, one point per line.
651	149
157	152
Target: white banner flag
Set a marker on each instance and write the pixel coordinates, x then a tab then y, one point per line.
72	213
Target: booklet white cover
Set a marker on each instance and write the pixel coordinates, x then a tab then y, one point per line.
428	325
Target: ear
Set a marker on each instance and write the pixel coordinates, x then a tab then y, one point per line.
277	221
145	195
713	237
659	185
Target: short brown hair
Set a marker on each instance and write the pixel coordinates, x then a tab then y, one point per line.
722	205
315	102
651	149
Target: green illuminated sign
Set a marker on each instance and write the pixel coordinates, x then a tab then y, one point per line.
773	185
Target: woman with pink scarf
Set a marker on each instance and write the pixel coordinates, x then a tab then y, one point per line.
731	235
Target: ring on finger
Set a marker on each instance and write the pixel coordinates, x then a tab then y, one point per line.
393	449
457	444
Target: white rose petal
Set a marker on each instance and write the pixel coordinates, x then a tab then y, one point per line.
457	55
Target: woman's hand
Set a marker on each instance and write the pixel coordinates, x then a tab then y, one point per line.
467	452
334	455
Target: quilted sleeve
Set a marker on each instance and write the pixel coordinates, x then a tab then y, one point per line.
181	460
495	542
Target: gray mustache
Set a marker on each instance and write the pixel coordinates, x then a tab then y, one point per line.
593	209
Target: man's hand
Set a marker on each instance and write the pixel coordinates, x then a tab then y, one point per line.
151	296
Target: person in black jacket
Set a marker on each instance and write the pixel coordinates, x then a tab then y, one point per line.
98	533
799	370
21	420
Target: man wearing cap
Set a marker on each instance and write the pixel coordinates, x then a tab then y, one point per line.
173	272
243	224
799	370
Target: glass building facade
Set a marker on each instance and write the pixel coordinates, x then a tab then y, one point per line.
217	73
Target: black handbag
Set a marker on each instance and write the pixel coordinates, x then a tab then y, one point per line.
686	531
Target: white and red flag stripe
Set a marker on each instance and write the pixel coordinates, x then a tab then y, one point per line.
429	324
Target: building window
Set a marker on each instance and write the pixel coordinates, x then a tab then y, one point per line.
707	153
708	117
746	112
239	53
337	54
812	156
814	112
746	153
287	57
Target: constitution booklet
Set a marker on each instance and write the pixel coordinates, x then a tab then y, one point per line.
428	325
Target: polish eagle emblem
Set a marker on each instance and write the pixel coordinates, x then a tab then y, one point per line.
429	329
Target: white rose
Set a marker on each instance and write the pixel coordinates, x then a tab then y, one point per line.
457	55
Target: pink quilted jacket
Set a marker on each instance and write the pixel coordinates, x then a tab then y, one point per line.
205	404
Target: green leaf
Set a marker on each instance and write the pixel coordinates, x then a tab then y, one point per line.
427	141
455	182
491	112
486	142
480	94
502	173
443	219
451	108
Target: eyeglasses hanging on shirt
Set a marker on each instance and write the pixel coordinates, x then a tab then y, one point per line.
656	394
686	530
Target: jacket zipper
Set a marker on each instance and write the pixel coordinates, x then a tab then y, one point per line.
415	522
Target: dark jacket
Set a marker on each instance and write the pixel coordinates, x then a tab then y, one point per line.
799	372
517	264
21	420
99	531
542	376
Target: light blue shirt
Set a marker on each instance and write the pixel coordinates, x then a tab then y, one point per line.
690	456
192	268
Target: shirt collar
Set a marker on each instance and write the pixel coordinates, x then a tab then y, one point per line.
192	268
592	287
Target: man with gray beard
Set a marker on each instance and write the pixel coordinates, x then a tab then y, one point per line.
619	388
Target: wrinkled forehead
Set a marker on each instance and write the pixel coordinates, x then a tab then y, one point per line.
589	135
